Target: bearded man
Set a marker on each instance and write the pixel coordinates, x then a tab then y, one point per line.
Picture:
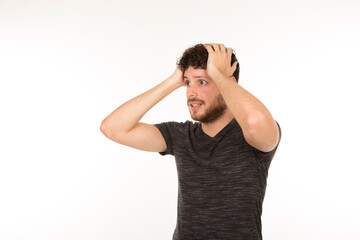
222	158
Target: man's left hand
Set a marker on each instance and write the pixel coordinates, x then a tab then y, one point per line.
219	61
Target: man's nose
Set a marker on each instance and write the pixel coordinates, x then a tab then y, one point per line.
191	92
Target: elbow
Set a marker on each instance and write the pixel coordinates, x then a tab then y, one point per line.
255	122
104	128
259	122
111	131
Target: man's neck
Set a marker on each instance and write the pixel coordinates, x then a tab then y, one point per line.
213	128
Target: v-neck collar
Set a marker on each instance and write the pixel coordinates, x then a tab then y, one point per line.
225	129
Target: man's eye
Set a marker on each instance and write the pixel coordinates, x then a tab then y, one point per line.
187	82
202	82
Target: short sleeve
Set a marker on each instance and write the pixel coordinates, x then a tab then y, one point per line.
166	128
268	155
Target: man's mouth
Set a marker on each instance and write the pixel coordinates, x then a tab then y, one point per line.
195	106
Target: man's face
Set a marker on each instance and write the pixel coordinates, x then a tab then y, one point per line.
204	100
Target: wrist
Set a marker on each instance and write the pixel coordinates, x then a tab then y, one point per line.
220	78
171	84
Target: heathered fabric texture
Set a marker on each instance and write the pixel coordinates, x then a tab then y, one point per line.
222	182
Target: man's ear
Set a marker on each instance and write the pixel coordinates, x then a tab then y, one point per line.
233	78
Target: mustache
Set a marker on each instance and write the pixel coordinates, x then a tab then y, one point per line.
195	100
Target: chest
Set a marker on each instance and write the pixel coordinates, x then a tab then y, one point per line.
226	159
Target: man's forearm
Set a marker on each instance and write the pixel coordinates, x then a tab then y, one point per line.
259	128
245	107
125	117
257	123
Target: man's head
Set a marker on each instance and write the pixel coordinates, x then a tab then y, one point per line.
205	102
197	57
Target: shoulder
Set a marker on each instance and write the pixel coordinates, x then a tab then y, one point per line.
174	124
177	127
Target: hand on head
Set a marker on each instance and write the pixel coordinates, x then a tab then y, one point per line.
219	61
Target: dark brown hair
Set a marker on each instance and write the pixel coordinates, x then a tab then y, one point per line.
197	57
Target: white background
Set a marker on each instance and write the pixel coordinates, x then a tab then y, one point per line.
65	65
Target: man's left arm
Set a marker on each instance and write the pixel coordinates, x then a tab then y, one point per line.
259	128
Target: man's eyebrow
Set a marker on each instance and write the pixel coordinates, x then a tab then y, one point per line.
199	76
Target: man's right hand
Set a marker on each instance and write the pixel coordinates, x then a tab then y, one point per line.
177	78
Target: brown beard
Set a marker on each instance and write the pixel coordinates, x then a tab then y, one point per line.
215	111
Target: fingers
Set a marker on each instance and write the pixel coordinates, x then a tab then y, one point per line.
221	51
215	47
222	47
209	48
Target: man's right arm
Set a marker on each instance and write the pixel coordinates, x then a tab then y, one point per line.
123	126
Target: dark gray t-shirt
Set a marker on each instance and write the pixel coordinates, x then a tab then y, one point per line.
222	182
